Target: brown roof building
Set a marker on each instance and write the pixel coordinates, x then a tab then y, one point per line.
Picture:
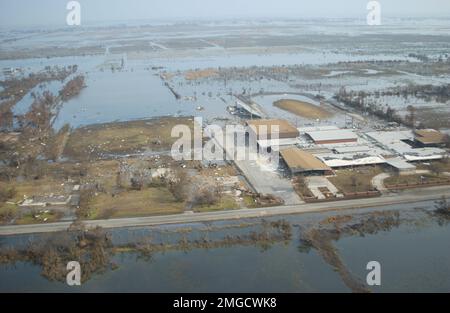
429	137
266	127
299	161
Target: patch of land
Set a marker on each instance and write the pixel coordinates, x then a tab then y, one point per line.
301	187
14	193
224	203
355	180
119	138
198	74
135	203
416	179
303	109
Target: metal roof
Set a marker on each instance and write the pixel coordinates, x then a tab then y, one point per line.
400	164
337	134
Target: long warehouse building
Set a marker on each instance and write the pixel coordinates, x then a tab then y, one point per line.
333	136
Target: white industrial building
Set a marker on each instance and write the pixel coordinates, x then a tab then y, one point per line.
335	136
396	142
401	166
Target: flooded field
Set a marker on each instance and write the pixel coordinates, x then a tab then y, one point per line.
103	141
122	71
390	235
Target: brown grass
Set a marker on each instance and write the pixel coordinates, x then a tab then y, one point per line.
303	109
361	182
43	186
151	201
123	137
415	179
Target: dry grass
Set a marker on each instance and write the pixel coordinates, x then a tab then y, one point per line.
220	171
442	166
151	201
103	173
303	109
225	203
43	218
39	187
357	180
123	137
415	179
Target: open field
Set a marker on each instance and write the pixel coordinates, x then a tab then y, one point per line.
415	179
123	137
134	203
440	166
356	180
103	174
9	208
30	188
225	203
303	109
38	218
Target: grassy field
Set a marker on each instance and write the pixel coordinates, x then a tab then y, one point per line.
357	180
303	109
103	173
442	166
225	203
249	202
123	137
30	218
43	186
151	201
414	179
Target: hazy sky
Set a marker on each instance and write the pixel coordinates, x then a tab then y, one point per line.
53	12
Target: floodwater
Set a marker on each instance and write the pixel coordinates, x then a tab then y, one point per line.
415	257
137	91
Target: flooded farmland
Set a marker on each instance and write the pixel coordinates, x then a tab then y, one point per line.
266	264
85	135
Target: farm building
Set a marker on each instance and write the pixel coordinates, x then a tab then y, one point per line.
277	144
351	160
336	136
302	162
400	143
428	138
262	129
401	167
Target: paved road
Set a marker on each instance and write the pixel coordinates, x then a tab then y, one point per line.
410	196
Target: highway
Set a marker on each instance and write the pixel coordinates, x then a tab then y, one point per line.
409	196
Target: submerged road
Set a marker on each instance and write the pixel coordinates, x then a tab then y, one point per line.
410	196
